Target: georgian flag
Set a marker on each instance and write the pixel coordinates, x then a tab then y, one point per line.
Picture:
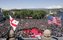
13	23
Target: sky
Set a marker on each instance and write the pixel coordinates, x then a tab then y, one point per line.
22	4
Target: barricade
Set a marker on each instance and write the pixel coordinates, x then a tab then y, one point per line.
28	39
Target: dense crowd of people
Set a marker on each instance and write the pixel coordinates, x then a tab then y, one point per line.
26	26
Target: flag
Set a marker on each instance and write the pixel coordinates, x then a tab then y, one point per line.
54	20
50	18
57	21
13	23
49	22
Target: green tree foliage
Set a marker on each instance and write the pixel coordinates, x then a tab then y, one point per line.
5	13
23	13
39	14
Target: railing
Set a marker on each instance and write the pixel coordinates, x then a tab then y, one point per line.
59	38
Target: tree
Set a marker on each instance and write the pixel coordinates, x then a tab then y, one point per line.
23	13
5	13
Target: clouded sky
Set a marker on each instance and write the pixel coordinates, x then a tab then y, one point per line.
20	4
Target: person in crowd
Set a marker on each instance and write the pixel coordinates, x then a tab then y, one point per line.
46	35
11	35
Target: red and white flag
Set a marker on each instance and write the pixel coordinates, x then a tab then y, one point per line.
13	23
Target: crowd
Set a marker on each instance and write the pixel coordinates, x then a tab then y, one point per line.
26	27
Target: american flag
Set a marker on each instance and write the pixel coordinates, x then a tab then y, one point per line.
54	20
50	18
57	21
